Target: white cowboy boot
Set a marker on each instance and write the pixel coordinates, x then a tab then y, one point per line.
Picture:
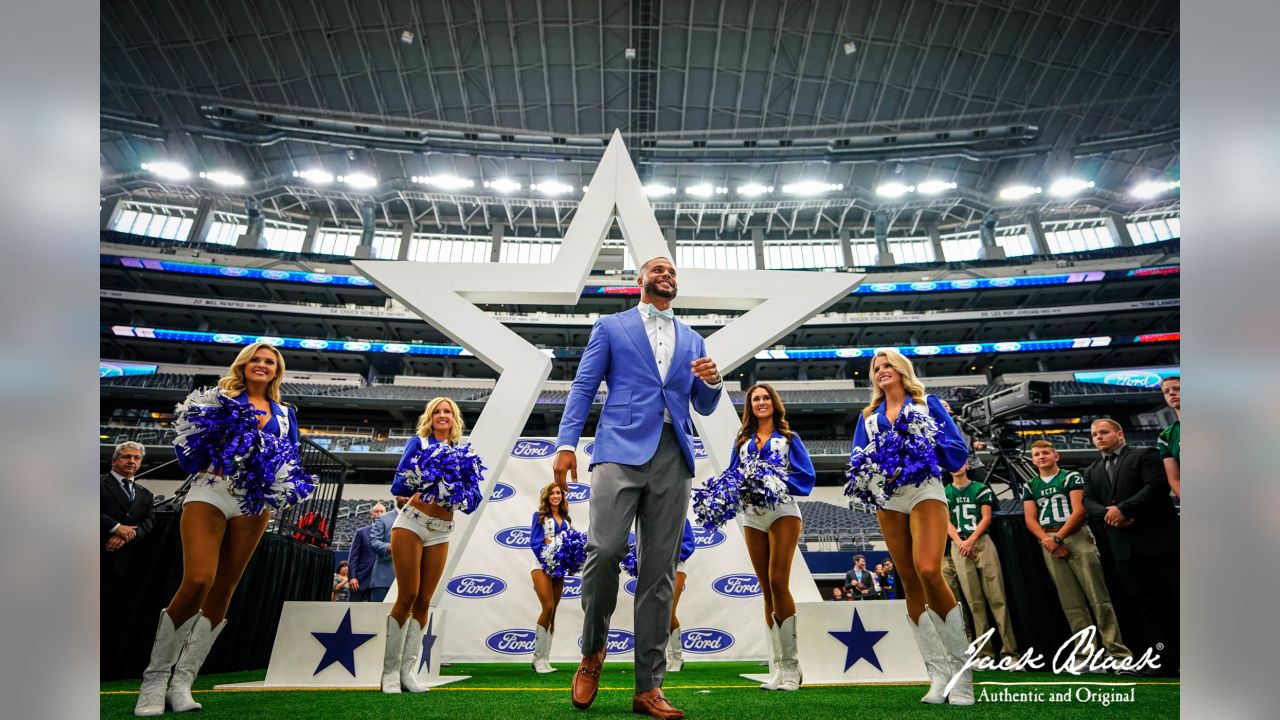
409	657
675	651
951	631
391	656
202	637
542	651
164	654
935	659
775	667
789	676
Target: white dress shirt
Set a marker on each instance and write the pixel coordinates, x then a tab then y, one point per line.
662	340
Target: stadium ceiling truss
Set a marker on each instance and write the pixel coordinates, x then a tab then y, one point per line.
723	92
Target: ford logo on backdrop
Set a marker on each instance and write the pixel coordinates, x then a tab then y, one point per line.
516	641
737	586
475	586
630	586
572	588
705	640
590	449
703	538
513	537
579	492
699	451
501	491
533	449
619	641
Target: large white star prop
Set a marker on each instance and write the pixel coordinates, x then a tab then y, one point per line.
446	294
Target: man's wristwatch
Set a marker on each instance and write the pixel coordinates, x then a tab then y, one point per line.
1056	540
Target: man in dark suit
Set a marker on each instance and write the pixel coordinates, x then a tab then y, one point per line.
361	557
384	571
126	515
1126	496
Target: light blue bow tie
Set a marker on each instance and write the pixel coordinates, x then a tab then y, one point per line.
655	312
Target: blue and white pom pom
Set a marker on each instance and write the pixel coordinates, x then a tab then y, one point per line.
209	421
565	554
718	501
273	477
904	456
629	563
447	475
764	483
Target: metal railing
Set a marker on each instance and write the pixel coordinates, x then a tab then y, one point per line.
313	520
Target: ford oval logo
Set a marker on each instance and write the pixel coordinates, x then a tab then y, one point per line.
234	271
1007	347
619	641
1133	378
358	280
740	586
226	338
475	586
399	348
516	641
275	274
927	350
533	449
1004	282
501	491
513	537
964	284
703	538
630	586
314	344
590	449
318	278
884	287
969	349
705	640
356	346
579	492
923	286
267	339
572	588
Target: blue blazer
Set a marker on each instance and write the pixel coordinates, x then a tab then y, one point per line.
686	541
380	538
361	557
631	422
283	423
800	473
411	448
952	450
537	534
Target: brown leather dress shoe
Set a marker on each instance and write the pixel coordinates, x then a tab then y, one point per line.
654	704
586	681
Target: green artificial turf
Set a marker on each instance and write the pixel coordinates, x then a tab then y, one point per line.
703	690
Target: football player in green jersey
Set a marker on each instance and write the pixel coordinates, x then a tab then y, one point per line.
977	563
1170	442
1053	504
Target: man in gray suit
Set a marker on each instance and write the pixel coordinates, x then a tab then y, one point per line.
384	573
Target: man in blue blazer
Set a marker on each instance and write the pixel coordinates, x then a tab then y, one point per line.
384	572
361	557
655	367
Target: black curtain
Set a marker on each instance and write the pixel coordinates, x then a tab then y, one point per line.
1033	601
281	569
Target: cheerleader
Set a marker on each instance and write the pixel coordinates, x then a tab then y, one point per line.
772	535
419	546
551	518
675	651
218	539
914	522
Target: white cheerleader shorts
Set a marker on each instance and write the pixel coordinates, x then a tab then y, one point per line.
760	518
217	494
906	498
431	530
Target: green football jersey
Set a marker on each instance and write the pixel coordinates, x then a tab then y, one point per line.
966	505
1053	497
1169	444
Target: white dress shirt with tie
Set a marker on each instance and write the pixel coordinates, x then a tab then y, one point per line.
127	487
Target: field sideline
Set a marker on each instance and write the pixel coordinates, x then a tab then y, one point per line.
703	690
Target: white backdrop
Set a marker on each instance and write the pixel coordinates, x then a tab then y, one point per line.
493	609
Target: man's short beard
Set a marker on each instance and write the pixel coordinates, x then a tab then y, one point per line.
652	288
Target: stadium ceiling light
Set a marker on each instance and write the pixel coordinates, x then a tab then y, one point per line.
551	187
223	177
1153	188
444	182
754	189
1066	187
809	187
933	187
359	181
167	170
1018	192
657	190
503	185
701	190
894	189
315	177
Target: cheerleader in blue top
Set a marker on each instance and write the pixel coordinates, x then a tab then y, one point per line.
552	517
217	541
914	522
675	650
419	547
772	535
